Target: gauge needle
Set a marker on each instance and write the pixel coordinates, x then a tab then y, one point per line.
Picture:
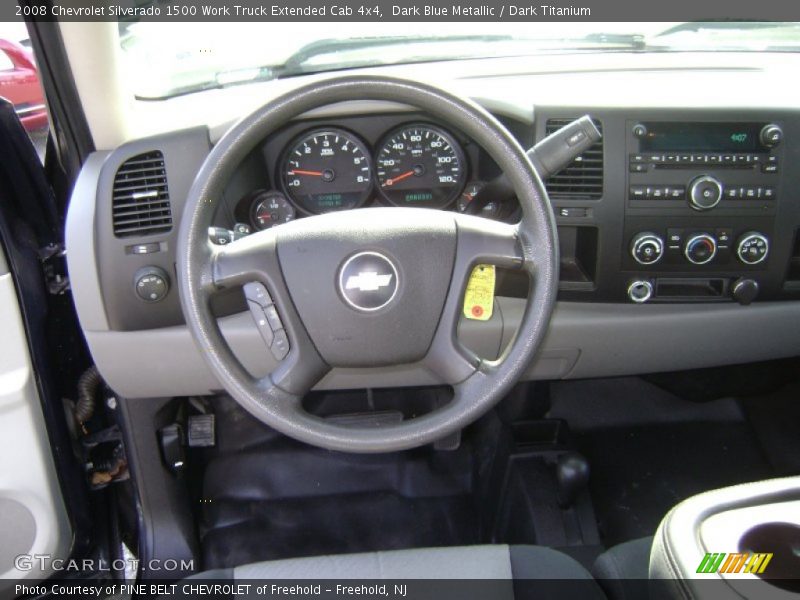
300	172
398	178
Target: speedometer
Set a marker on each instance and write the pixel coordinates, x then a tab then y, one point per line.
327	170
420	165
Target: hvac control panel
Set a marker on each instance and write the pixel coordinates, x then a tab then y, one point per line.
701	201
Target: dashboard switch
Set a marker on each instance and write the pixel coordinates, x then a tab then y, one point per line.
262	324
640	291
647	248
280	347
700	249
744	291
151	284
752	248
256	292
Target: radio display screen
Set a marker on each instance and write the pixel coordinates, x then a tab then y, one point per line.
702	137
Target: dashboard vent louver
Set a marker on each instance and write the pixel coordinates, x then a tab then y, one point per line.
583	178
140	198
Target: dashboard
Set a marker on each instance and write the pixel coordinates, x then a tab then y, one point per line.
678	232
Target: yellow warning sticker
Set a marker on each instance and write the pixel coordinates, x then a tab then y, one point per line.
479	298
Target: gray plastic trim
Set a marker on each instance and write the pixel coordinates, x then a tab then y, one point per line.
584	340
80	239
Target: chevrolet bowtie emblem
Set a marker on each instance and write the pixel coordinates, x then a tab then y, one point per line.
368	281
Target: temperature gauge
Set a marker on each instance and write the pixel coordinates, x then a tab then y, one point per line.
270	208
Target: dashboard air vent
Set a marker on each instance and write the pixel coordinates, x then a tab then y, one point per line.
583	178
141	197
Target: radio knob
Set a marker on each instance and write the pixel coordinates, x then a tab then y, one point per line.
700	249
705	192
771	135
752	248
647	248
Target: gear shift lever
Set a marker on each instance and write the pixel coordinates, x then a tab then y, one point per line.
572	475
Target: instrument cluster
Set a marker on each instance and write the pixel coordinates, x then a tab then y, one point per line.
326	169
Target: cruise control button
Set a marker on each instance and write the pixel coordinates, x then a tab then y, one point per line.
257	293
280	346
262	324
273	318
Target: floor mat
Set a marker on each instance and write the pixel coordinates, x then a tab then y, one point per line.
649	449
640	473
344	524
266	497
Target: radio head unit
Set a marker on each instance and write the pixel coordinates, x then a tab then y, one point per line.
706	137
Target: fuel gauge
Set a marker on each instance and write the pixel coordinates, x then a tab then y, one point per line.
269	209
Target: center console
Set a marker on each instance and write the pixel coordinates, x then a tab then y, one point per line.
701	196
736	542
696	206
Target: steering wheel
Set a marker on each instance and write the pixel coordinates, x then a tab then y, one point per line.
369	287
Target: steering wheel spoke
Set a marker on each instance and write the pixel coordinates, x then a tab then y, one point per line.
252	258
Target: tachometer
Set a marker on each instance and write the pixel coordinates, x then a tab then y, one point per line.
327	170
420	165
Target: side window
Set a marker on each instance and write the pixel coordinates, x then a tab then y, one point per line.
20	83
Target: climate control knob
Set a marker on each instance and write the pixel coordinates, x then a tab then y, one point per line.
752	248
647	248
700	249
705	192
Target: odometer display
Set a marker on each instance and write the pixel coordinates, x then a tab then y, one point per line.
420	165
327	170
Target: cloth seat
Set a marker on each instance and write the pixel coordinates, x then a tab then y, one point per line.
518	572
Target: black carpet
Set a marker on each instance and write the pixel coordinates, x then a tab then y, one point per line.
266	497
650	449
248	531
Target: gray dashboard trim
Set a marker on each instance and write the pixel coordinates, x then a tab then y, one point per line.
584	340
80	243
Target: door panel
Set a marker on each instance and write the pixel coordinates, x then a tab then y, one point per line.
33	519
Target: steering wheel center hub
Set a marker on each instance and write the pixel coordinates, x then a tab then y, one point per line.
368	281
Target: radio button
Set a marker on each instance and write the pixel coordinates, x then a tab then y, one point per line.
638	167
638	192
700	158
731	193
658	193
768	193
636	158
750	192
771	166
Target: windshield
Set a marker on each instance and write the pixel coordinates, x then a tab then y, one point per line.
169	59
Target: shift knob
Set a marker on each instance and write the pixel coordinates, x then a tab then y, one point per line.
572	475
